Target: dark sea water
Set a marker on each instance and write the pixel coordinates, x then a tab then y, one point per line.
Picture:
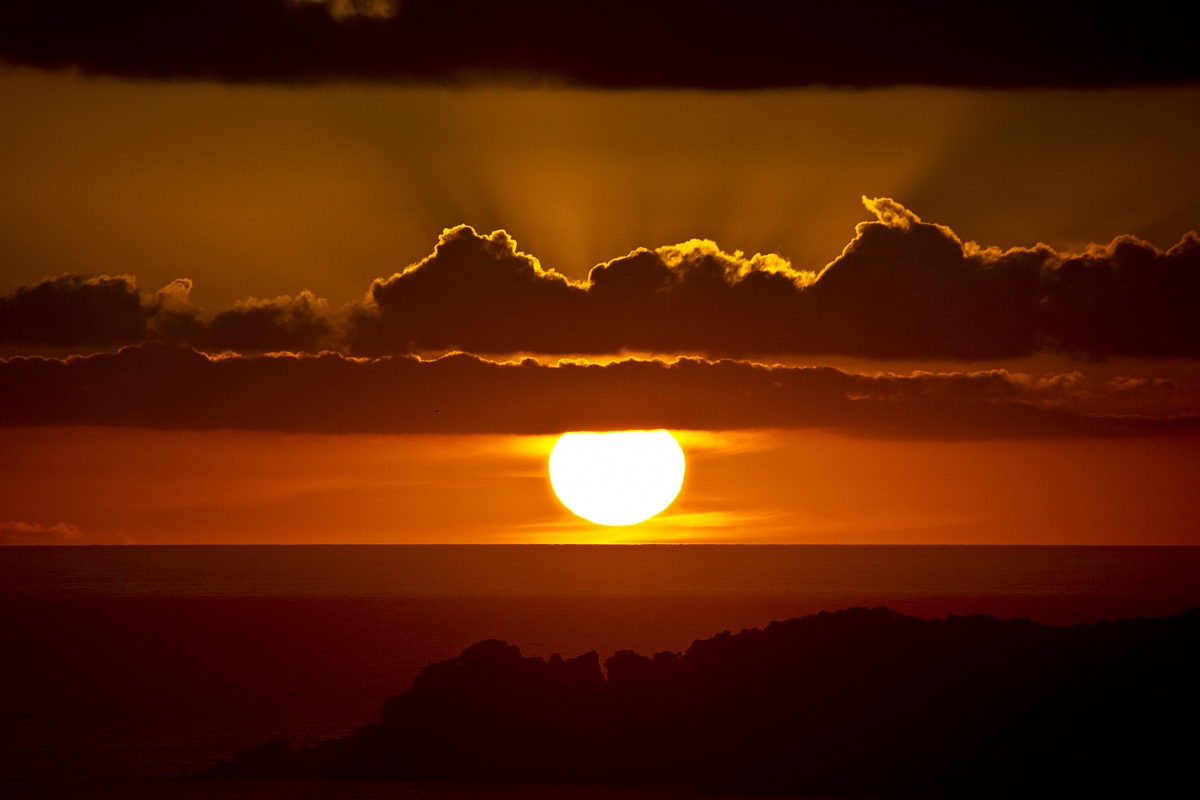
124	667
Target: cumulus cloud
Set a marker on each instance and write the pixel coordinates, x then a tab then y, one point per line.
655	300
708	44
74	310
1126	298
902	288
160	386
476	293
300	323
101	313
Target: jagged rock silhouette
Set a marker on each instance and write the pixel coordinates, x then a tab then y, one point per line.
861	701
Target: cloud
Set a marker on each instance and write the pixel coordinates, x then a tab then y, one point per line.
74	310
1124	383
17	532
1126	298
300	323
103	312
706	44
160	386
475	293
357	9
480	294
693	297
902	288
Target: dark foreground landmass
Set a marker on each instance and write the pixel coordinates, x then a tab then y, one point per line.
863	701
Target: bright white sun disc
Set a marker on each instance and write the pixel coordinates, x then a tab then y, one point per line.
617	478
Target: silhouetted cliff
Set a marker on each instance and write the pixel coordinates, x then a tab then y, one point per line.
857	701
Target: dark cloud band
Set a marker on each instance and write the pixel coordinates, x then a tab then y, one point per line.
160	386
707	44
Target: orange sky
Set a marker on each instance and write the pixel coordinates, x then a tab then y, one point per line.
261	191
122	485
934	311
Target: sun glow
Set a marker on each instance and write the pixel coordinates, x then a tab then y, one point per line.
618	478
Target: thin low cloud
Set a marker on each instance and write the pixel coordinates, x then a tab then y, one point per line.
701	44
17	532
167	387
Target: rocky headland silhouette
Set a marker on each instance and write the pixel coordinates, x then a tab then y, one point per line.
860	701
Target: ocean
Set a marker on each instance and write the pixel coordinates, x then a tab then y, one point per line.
127	667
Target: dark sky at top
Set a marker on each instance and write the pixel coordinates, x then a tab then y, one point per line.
701	44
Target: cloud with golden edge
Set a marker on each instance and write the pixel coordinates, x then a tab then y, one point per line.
901	288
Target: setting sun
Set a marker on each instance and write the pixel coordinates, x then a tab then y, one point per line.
617	478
